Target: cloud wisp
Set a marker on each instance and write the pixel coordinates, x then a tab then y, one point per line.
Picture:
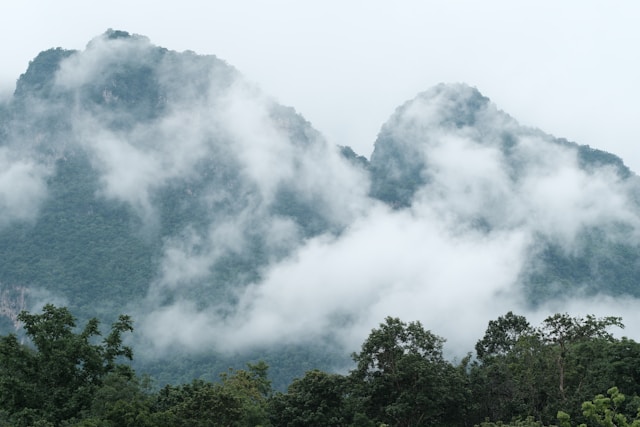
454	259
268	235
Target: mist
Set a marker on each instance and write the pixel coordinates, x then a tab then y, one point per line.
429	262
334	260
22	187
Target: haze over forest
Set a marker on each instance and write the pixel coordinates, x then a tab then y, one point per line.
164	185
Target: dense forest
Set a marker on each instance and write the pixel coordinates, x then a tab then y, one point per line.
566	371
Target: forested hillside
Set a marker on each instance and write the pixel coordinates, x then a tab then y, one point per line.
135	179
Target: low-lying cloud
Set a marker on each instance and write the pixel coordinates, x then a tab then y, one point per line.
431	261
22	187
454	259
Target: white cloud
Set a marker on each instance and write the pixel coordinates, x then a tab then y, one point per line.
94	62
426	263
404	264
264	151
22	187
429	262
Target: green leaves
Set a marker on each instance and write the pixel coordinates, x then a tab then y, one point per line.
402	377
502	335
524	371
561	328
198	403
317	399
395	339
526	377
57	378
603	411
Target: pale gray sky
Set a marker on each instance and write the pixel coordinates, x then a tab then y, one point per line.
570	68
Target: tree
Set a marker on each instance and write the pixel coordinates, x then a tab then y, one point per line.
562	331
604	411
402	379
55	376
514	383
316	400
524	371
121	401
198	404
239	400
502	335
253	388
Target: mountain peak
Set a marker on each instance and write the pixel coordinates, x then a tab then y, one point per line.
459	91
112	35
116	34
39	77
447	104
398	160
427	130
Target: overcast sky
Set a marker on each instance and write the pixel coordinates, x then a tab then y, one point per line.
570	68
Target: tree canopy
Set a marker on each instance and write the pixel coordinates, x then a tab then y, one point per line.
567	371
55	375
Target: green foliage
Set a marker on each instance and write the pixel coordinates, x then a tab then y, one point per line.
527	422
502	335
120	401
604	411
562	329
607	411
199	404
318	399
83	248
56	378
563	332
401	377
239	400
253	388
527	377
557	365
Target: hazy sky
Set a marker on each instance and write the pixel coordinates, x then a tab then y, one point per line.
570	68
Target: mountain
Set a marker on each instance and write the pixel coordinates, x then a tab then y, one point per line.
452	149
139	180
401	159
